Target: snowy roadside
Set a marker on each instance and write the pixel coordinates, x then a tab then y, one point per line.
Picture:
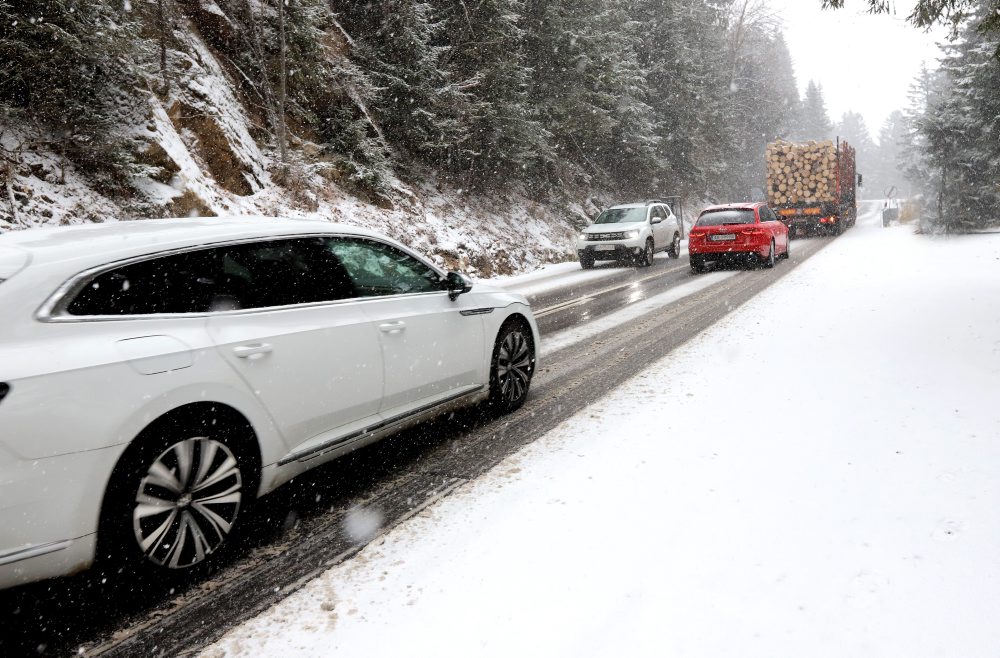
813	476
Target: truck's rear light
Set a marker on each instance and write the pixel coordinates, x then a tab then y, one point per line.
4	389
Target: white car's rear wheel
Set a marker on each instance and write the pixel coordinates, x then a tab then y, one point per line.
177	497
675	246
187	502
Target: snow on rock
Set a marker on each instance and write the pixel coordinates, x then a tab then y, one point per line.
815	476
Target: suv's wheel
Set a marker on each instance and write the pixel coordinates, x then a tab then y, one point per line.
176	498
646	259
512	367
675	246
586	262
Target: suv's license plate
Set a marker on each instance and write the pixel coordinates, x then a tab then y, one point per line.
604	247
719	237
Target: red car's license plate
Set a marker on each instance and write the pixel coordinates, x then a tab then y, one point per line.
719	237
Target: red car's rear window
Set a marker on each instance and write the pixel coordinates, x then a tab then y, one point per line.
724	217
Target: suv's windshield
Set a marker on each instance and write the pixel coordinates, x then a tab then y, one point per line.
622	215
723	217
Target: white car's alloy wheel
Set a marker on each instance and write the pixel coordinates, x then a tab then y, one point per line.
187	503
513	366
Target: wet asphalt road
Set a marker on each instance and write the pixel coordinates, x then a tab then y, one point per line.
298	532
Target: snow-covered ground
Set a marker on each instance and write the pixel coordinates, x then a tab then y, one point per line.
816	475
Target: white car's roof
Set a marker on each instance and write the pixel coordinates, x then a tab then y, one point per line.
630	205
105	243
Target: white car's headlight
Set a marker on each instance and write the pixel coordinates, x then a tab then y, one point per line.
583	236
631	235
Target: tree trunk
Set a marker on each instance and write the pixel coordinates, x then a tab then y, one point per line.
8	175
162	27
282	133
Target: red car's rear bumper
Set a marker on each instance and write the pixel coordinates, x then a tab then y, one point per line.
741	244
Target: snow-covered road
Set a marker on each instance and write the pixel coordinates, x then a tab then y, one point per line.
813	476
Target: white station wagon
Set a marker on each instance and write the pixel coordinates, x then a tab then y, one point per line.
158	376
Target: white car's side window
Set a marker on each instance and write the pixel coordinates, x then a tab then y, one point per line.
379	269
256	275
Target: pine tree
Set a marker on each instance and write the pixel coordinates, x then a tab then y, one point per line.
422	104
815	122
485	43
853	129
70	69
961	129
590	93
884	174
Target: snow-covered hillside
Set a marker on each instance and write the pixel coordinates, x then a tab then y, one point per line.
205	150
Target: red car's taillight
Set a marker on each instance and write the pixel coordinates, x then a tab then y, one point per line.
752	231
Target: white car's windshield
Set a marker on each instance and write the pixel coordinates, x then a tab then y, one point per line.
621	216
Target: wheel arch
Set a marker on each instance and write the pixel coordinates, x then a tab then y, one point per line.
236	427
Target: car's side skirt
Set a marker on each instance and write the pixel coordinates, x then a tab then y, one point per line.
390	425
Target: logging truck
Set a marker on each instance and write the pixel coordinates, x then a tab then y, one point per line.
812	186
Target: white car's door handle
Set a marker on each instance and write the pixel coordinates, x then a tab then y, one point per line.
392	327
254	349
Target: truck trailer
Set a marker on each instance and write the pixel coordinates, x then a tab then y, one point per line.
812	186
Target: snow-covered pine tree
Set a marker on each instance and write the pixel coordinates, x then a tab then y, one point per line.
962	129
69	70
689	81
329	94
916	160
815	121
590	92
763	102
422	105
885	172
852	127
485	43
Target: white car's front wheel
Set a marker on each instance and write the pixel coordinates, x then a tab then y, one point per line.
512	367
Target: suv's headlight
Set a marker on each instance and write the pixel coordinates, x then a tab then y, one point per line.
583	236
631	235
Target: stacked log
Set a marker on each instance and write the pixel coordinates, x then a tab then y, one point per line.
801	173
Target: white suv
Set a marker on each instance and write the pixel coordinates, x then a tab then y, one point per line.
156	377
630	232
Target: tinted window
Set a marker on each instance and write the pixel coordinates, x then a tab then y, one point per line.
767	215
377	269
722	217
262	274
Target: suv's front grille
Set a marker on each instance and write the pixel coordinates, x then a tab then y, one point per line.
597	237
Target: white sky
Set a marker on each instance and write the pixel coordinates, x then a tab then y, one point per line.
871	73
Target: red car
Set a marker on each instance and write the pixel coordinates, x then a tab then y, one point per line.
737	231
